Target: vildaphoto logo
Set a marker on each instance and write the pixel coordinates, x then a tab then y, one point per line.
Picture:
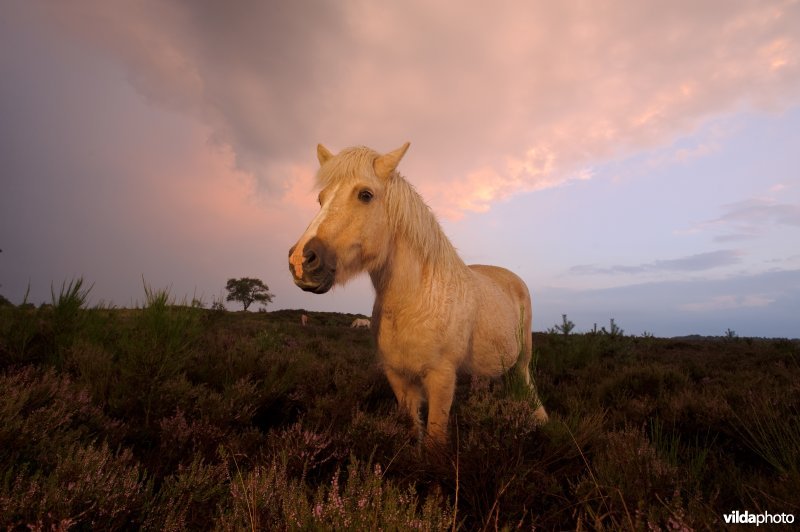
746	518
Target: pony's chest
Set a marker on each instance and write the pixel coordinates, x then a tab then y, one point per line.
406	351
413	347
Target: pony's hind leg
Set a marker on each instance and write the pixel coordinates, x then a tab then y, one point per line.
540	413
409	399
523	368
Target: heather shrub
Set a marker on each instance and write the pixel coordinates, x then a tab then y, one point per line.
492	419
385	436
42	413
506	468
625	477
56	465
304	451
94	368
630	460
183	438
228	357
188	499
346	391
89	484
21	337
181	418
639	391
267	498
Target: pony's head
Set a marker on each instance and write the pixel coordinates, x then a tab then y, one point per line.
350	233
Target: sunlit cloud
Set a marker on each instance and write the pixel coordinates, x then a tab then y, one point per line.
537	170
497	100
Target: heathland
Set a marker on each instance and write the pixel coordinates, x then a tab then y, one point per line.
176	417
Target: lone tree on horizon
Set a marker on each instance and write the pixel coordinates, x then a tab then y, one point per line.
247	290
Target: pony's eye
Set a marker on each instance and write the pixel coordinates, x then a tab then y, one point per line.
365	196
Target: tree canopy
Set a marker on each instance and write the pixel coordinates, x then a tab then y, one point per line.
247	291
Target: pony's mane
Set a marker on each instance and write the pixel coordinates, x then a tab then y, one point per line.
411	216
406	211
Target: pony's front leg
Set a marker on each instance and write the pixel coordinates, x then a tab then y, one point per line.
409	399
440	384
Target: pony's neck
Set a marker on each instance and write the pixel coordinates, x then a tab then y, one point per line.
403	272
420	255
409	270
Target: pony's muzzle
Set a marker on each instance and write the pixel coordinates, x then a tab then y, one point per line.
314	270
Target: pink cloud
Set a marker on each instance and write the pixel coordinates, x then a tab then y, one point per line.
496	100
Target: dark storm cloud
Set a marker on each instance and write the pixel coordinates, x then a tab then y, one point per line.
256	72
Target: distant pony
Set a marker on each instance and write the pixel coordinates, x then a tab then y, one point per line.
360	322
433	315
303	320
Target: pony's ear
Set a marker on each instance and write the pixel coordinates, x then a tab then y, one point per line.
385	164
323	154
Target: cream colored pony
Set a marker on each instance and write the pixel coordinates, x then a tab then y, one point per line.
433	315
359	323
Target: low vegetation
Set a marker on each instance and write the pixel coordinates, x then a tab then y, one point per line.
175	417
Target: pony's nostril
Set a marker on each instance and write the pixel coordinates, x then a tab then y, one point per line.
310	260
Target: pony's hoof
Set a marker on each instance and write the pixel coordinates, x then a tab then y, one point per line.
434	444
541	416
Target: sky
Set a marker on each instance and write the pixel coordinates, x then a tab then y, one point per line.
634	160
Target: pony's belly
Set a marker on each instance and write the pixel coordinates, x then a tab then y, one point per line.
494	348
490	362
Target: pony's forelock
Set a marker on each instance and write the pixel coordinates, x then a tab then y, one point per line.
349	163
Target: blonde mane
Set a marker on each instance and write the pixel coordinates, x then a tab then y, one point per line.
406	211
